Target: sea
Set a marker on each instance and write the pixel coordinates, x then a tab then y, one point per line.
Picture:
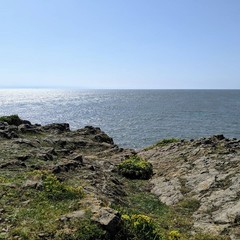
133	118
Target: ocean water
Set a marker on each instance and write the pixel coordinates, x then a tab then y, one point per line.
134	118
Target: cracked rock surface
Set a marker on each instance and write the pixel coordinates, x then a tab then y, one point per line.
207	170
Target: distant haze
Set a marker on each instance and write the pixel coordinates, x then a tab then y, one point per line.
156	44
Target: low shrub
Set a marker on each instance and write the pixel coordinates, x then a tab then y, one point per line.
56	190
135	167
175	235
11	120
139	226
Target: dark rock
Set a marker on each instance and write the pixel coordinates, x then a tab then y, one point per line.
78	158
57	127
237	219
92	168
65	166
108	218
23	157
12	163
45	156
91	130
219	137
64	151
60	143
207	141
35	166
4	134
26	122
51	151
3	125
102	137
25	128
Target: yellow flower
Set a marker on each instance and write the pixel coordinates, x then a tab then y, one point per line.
125	217
174	235
136	223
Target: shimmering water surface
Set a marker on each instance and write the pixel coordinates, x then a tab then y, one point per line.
134	118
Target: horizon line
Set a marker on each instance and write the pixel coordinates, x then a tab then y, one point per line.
81	88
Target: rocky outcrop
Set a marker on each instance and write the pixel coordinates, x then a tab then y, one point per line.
89	152
207	170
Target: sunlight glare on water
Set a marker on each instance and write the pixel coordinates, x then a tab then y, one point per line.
134	118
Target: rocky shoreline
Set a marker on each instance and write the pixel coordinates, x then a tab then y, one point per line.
202	175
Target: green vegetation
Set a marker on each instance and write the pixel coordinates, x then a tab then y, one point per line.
36	204
188	206
162	143
11	120
139	226
55	190
36	213
135	167
143	213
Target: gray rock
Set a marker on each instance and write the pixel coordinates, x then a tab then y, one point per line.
108	218
33	184
75	214
207	170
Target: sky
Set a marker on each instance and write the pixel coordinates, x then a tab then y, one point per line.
120	44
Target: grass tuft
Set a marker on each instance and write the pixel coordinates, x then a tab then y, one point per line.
162	143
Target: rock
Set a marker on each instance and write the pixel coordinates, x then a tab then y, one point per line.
108	218
65	166
75	214
168	191
27	128
12	164
45	156
26	142
91	130
57	127
29	123
3	125
23	157
103	138
219	137
207	170
33	184
78	158
4	134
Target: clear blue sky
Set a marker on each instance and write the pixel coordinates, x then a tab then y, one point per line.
120	43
